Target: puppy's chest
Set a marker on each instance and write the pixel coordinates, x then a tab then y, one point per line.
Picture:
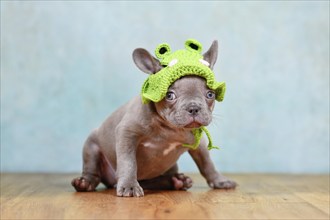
161	149
158	151
165	144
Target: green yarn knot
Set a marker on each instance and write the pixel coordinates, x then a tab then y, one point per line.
198	132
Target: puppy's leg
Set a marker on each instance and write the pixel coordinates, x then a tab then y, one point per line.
170	180
202	158
126	173
91	168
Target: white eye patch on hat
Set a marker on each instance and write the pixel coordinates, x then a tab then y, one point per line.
175	61
204	62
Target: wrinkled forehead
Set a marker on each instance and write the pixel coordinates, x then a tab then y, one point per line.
189	83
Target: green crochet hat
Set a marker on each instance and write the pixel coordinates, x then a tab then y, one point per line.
176	65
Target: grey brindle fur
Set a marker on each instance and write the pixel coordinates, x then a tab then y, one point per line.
139	144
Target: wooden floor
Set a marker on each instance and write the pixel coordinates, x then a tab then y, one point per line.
50	196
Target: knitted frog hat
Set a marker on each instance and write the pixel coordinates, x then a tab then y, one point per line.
176	65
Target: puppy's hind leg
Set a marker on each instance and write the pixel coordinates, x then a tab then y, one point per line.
171	180
91	168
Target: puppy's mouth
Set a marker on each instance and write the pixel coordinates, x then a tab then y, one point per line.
188	121
193	124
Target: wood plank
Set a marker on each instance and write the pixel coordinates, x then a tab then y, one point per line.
259	196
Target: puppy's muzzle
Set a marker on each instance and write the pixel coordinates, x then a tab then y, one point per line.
193	110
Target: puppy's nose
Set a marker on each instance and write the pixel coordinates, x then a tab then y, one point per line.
193	110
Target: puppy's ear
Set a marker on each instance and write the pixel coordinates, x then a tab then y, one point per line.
145	61
212	54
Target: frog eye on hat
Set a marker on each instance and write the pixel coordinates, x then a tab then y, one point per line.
162	50
193	45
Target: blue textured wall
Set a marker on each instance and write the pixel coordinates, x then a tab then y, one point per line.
66	65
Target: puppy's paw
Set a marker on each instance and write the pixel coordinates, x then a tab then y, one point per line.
222	183
85	183
129	189
181	181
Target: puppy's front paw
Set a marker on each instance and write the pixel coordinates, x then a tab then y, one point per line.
128	189
222	183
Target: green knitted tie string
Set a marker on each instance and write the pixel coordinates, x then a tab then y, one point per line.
198	136
210	146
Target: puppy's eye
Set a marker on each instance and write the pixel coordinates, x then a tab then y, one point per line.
170	96
210	95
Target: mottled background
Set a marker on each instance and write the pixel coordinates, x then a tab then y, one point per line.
65	66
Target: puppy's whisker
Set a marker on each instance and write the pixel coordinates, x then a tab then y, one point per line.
215	115
216	120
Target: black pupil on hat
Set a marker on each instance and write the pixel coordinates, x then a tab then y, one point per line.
162	50
193	46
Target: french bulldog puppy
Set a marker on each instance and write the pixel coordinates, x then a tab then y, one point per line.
139	144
